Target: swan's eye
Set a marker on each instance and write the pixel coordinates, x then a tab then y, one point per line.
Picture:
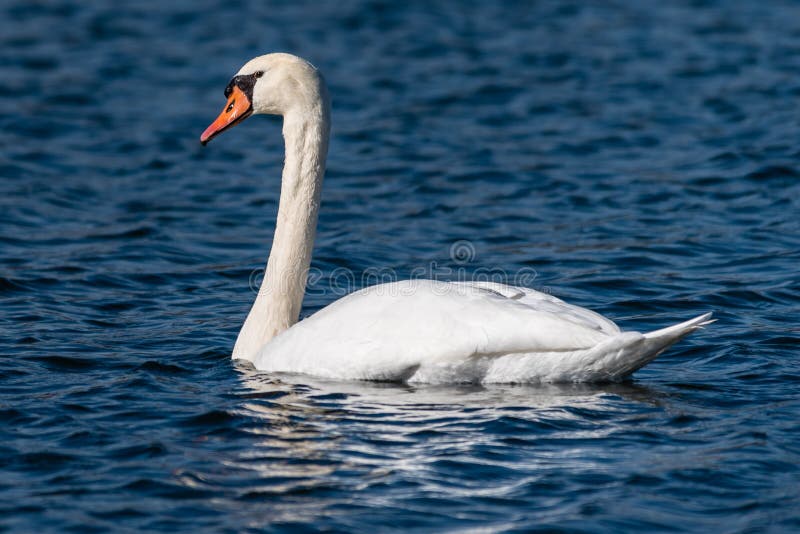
258	74
230	106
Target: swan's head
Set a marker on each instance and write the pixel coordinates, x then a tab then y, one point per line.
274	84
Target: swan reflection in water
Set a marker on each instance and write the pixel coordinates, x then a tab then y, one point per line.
300	447
391	426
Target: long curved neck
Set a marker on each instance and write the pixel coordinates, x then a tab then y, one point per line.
277	306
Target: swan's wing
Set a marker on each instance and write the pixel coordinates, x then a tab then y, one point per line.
387	332
549	303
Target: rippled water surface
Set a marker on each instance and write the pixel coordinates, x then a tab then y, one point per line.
638	158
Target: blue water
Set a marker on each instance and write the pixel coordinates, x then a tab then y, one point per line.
637	158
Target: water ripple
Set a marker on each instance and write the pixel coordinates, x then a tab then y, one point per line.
636	158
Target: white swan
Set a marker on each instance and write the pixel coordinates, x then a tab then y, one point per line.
415	330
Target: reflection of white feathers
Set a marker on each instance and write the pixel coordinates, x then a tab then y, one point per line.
416	330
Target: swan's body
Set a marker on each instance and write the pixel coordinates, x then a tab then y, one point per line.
416	330
440	332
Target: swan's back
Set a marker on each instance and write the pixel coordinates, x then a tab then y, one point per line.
429	331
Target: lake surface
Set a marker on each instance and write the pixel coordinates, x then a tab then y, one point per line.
636	158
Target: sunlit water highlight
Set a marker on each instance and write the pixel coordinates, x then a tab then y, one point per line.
637	158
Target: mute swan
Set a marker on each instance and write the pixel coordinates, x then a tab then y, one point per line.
414	330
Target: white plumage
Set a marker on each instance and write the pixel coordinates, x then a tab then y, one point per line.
439	332
414	330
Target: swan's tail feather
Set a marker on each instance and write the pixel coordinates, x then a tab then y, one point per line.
609	361
681	330
650	345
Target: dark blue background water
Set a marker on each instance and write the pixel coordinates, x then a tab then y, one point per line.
643	159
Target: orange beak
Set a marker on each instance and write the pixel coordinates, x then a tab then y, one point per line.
236	110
